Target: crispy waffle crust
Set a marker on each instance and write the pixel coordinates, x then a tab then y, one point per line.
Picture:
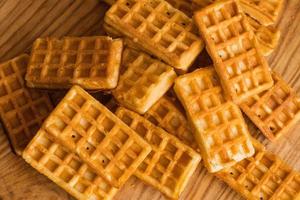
86	127
66	169
170	164
22	110
274	111
219	126
166	114
267	12
263	176
91	62
158	28
143	81
232	46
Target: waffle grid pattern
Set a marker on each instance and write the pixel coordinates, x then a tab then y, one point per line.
91	62
170	164
22	110
242	69
143	81
159	28
263	176
164	113
274	111
103	141
66	169
220	129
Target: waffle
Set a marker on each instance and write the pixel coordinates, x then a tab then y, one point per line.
267	37
265	11
170	164
242	69
143	81
159	28
91	62
166	115
84	126
262	177
274	111
66	169
22	110
219	126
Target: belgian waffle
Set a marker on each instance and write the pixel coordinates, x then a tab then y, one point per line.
170	164
274	111
86	127
159	28
165	113
265	11
143	80
267	37
242	69
91	62
262	177
219	126
22	110
66	169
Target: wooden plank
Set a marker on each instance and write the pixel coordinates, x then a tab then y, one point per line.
22	21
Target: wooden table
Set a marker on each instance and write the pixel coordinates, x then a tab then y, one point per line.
22	21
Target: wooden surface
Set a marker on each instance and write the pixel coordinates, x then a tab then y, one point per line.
22	21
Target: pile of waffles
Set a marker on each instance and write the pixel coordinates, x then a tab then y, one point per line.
167	111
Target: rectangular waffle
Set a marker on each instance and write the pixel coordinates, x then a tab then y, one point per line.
143	80
242	69
219	126
86	127
265	11
274	111
267	37
159	28
66	169
166	114
22	110
170	164
91	62
263	177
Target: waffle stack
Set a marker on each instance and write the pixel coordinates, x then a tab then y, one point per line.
263	176
158	28
22	110
143	80
218	124
91	62
170	164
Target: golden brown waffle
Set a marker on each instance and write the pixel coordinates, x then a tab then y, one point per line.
164	113
219	126
170	164
86	127
22	110
143	81
267	37
231	44
66	169
274	111
265	11
159	28
91	62
263	177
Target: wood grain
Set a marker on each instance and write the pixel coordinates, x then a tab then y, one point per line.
22	21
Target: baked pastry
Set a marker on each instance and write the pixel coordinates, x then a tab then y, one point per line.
91	62
218	124
231	43
143	81
22	110
159	28
170	164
